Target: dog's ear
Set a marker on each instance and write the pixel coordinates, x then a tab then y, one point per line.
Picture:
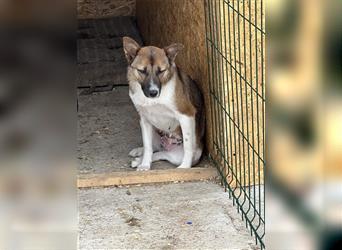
131	48
172	51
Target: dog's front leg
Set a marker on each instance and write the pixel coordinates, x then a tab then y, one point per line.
189	139
146	130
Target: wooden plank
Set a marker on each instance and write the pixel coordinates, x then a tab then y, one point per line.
145	177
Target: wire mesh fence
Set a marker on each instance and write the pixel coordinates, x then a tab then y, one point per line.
235	35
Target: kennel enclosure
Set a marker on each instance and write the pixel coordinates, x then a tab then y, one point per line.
224	53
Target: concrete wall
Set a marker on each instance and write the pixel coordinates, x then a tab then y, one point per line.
105	8
164	22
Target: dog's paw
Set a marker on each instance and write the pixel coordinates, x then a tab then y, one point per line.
136	162
136	152
143	168
183	166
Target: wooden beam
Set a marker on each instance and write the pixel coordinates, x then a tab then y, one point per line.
145	177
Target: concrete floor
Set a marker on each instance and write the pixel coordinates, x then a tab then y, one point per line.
195	215
108	128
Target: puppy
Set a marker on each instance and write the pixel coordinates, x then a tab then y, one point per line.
170	106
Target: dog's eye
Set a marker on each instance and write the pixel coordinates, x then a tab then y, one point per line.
142	71
160	71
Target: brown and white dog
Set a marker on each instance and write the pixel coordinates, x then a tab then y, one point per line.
170	106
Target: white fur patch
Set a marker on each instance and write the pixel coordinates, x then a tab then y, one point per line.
161	111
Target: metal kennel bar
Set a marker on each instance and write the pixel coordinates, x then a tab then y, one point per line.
235	36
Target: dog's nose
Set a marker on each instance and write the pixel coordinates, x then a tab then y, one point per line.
153	93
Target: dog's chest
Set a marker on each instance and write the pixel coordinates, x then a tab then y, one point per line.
159	112
161	117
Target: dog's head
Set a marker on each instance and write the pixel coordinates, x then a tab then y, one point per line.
150	66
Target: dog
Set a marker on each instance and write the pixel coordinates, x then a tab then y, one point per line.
170	105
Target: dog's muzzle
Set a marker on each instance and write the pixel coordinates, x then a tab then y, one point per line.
152	88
